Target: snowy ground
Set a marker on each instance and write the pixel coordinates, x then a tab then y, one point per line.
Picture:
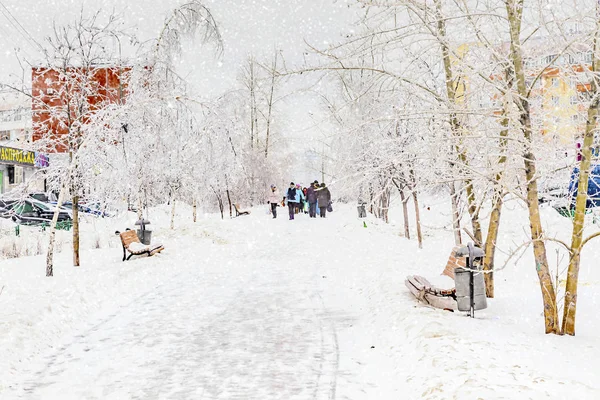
255	308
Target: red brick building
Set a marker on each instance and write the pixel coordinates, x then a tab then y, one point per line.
63	99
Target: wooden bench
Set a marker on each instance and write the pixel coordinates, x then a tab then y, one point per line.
132	245
238	212
454	261
431	295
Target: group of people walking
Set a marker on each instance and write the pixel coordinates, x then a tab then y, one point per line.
302	200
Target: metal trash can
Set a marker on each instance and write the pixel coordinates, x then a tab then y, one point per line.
470	285
362	211
145	235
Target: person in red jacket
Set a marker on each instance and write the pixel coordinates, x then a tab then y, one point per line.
305	205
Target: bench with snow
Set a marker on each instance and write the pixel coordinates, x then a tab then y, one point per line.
238	212
132	245
431	295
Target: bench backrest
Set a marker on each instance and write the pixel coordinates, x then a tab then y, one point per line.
129	237
454	261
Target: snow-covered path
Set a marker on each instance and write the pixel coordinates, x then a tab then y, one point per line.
242	325
255	308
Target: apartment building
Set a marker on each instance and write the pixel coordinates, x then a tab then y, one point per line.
18	165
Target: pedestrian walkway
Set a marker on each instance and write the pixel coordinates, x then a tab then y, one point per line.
246	326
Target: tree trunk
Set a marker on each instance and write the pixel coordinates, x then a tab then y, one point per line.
52	238
371	199
75	202
417	218
497	200
173	213
253	116
385	200
270	104
140	207
194	209
75	231
145	207
405	214
220	206
455	215
229	201
455	124
473	212
490	242
514	10
570	305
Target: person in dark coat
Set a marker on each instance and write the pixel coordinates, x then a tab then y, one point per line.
292	199
323	197
311	197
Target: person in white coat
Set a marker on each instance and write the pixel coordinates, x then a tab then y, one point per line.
273	198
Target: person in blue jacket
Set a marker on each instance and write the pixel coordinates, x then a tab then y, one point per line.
300	198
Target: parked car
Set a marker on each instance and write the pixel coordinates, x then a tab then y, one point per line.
554	195
593	189
39	196
52	207
5	208
88	208
95	209
43	197
32	212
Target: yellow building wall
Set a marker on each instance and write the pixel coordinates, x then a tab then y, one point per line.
557	111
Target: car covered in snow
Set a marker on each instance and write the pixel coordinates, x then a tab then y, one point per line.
88	208
33	212
5	208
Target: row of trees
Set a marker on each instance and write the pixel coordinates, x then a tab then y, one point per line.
447	95
429	94
138	133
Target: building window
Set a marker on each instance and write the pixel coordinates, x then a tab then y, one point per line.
18	175
554	82
574	100
10	169
530	63
573	59
585	96
573	29
588	57
555	101
573	82
550	59
15	174
5	115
